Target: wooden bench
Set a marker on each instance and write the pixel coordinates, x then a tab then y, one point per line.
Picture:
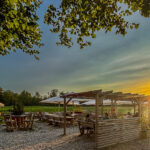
89	127
10	123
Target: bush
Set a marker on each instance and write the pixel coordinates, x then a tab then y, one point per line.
18	109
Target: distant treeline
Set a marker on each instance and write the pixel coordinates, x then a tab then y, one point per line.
9	97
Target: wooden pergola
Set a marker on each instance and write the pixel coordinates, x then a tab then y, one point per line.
100	96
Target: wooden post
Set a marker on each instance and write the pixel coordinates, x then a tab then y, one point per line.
96	111
148	112
134	105
115	106
65	116
96	117
102	107
112	107
139	108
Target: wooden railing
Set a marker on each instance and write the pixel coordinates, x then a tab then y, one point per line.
114	131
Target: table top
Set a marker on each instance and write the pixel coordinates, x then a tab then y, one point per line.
19	116
57	116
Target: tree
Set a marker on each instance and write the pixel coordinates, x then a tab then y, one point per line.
36	99
9	98
145	9
62	93
53	93
18	26
37	95
26	98
84	18
1	94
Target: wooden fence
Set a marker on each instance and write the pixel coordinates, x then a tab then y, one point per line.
114	131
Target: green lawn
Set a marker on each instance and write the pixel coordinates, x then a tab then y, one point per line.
121	109
37	108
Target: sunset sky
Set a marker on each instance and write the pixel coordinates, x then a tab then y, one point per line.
112	62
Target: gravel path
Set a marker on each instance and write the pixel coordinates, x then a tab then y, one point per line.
45	137
41	138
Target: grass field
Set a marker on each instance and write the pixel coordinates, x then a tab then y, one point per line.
121	109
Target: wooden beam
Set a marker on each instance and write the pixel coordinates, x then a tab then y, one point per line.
68	101
102	106
88	94
65	116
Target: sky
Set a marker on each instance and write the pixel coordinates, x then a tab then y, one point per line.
112	62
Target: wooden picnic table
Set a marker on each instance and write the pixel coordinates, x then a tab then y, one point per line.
19	120
59	120
59	116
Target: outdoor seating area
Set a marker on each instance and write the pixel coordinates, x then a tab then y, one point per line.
106	125
56	119
75	75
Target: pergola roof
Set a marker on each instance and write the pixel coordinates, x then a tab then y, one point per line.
108	95
87	95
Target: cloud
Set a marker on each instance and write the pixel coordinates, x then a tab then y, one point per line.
112	62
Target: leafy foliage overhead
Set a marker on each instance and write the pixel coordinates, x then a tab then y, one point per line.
19	29
18	26
84	17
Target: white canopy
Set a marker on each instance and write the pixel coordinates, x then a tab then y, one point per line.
108	102
60	100
53	100
76	101
92	102
124	103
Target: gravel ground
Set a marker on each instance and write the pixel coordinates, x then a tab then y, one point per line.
41	138
45	137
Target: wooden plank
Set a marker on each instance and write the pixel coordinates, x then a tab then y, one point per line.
117	131
116	135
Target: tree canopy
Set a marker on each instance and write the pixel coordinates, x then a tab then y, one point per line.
9	97
84	18
18	26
